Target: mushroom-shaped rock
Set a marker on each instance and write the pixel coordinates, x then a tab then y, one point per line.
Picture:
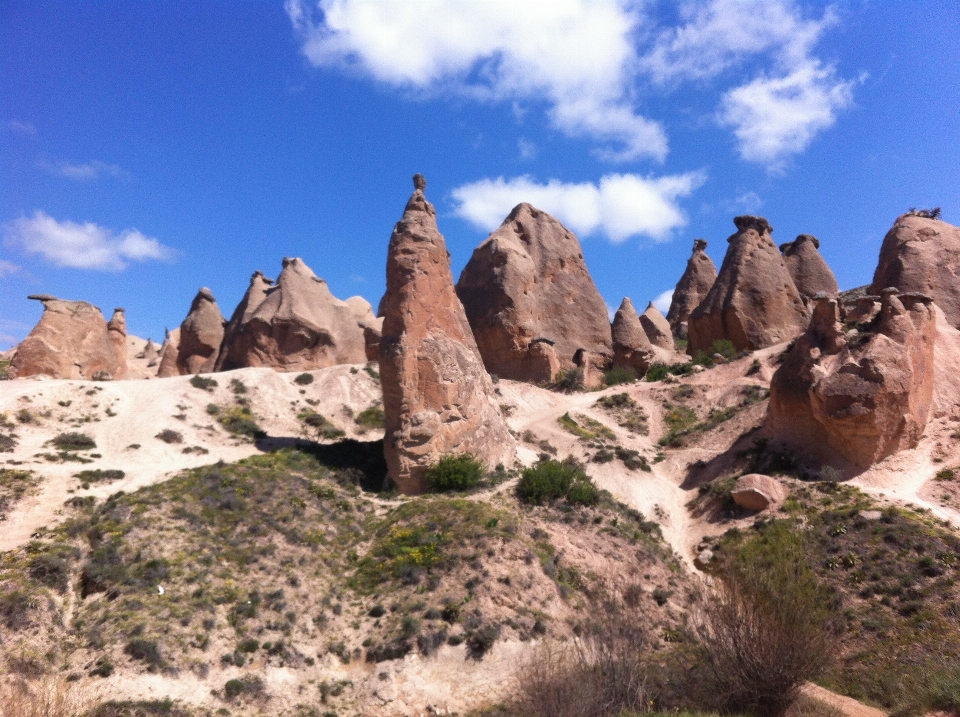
201	334
807	267
631	346
527	281
657	328
922	254
437	398
693	287
298	326
753	303
756	491
862	400
71	340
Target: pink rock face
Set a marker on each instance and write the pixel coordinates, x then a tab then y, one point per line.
756	491
693	287
296	325
807	267
437	397
860	400
71	340
753	303
922	255
631	347
528	283
201	334
656	327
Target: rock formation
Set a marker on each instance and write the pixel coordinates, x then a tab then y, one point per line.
807	267
117	332
437	397
631	347
168	354
756	491
921	254
297	326
657	328
692	288
530	300
150	353
371	325
71	340
753	302
861	396
252	298
201	334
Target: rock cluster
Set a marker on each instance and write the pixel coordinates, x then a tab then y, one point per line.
201	334
71	340
631	346
807	267
861	396
754	302
922	254
530	300
693	287
437	397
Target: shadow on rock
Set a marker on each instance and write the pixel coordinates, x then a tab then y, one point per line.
359	463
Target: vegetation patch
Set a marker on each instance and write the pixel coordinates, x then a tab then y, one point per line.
73	442
620	375
318	426
627	412
240	421
99	476
204	382
585	427
551	480
16	485
168	435
682	421
304	379
373	418
455	473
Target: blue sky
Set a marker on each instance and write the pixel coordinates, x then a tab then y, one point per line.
150	148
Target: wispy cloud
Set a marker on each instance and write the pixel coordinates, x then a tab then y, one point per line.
7	268
619	206
81	246
22	127
87	172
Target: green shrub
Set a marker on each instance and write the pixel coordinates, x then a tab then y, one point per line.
207	384
7	443
619	375
569	380
657	372
239	421
237	386
372	417
98	475
322	428
304	379
168	435
146	650
213	409
233	688
550	480
459	472
582	492
74	442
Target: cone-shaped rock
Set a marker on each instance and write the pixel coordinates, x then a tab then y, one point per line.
201	334
922	254
862	400
527	287
657	327
117	331
437	397
807	267
753	303
71	340
151	354
254	296
631	346
692	288
168	354
298	326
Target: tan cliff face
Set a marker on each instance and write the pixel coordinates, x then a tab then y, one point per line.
693	287
526	288
437	397
754	302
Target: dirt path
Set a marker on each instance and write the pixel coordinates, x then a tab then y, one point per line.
847	706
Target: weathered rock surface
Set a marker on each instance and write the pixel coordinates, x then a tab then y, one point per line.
693	287
631	346
168	354
201	334
117	332
71	340
657	328
753	303
437	397
255	294
298	325
864	398
922	255
756	491
527	287
808	269
371	324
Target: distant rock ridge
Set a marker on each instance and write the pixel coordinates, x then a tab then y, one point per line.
201	334
437	397
808	269
693	287
530	300
71	340
753	303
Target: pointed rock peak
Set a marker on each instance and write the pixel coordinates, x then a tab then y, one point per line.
258	278
418	200
631	346
657	328
699	245
793	246
807	267
203	295
745	222
43	297
627	305
694	284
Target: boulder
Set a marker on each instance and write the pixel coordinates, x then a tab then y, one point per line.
298	325
71	340
860	399
807	267
631	347
254	296
117	332
657	328
168	354
753	303
692	288
756	491
922	254
201	334
437	398
528	284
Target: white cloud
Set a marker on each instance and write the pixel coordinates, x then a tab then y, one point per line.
21	127
86	172
7	268
576	55
620	206
81	246
662	302
528	150
774	118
